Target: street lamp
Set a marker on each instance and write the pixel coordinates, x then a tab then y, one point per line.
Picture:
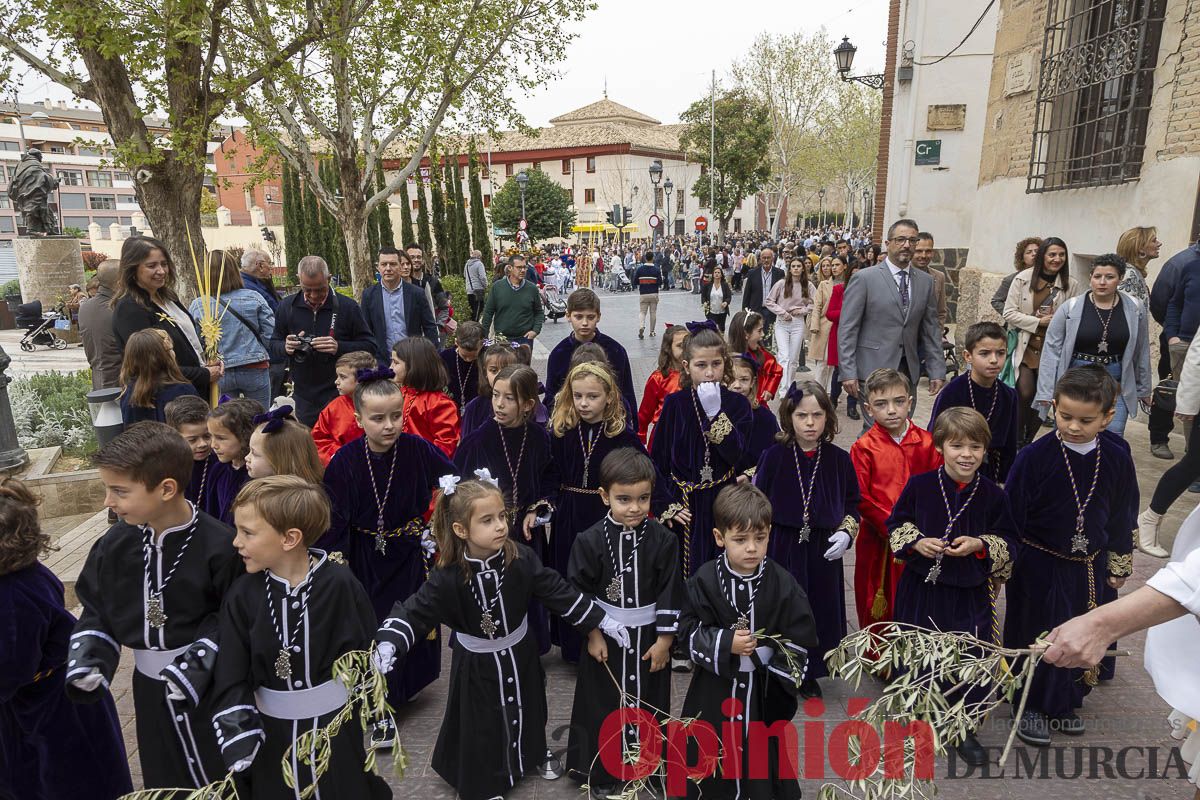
656	170
522	179
844	55
668	187
821	196
866	194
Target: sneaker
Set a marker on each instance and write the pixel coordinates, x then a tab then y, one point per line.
1162	450
1195	488
681	664
604	792
1034	729
383	735
852	412
641	333
551	769
1148	524
652	333
971	751
1071	724
809	688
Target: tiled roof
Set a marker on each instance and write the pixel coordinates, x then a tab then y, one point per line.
659	137
605	110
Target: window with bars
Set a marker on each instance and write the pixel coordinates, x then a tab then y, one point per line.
1094	92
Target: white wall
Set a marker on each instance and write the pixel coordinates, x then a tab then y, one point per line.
941	199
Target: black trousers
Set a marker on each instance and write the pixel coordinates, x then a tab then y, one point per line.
1182	474
475	301
1161	422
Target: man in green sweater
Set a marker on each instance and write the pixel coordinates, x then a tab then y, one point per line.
514	305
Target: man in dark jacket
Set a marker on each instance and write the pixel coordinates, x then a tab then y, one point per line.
96	329
757	284
335	326
394	308
1161	421
649	279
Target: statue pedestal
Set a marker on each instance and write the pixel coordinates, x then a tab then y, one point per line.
46	267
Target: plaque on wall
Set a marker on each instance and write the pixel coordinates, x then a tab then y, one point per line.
946	118
1018	74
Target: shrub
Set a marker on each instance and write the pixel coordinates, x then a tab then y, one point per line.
92	259
11	289
456	286
50	408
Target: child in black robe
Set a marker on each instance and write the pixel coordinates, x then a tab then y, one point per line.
189	416
731	601
154	583
50	748
482	589
462	363
629	565
283	626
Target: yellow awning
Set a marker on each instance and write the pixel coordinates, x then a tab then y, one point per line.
602	227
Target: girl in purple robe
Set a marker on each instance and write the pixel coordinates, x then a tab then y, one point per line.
496	357
231	425
762	435
516	451
813	490
50	748
380	486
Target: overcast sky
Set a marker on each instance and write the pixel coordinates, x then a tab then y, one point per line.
657	55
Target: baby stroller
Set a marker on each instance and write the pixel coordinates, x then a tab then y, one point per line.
623	284
950	355
39	329
553	304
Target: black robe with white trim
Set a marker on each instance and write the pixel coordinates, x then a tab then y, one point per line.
775	605
653	580
176	746
494	730
338	618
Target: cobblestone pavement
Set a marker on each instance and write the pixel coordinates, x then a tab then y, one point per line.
1125	713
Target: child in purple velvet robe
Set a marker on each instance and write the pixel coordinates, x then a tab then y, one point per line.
49	747
231	425
762	436
813	490
380	487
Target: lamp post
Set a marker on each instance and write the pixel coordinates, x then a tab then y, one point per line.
522	180
668	187
656	171
864	222
844	55
821	197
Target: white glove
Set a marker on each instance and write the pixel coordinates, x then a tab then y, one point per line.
841	543
174	693
615	630
383	657
90	682
710	398
537	521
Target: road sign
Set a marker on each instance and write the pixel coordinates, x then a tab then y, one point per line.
701	223
523	224
929	152
654	221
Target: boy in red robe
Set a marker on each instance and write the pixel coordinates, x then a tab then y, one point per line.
885	457
336	425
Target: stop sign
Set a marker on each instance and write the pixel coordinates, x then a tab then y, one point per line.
701	223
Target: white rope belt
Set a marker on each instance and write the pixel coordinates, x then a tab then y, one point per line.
478	645
631	617
151	662
303	703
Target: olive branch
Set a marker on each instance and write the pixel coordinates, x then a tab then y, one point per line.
220	790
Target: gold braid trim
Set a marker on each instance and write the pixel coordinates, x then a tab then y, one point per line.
997	550
337	557
850	525
749	473
904	535
1120	566
721	427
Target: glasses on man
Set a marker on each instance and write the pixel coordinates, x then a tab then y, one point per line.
909	240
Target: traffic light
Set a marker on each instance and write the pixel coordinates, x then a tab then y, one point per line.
627	215
268	235
608	217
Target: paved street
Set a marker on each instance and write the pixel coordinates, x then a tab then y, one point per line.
1124	713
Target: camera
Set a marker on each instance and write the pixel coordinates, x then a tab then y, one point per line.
303	350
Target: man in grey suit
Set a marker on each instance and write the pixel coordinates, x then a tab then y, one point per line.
902	311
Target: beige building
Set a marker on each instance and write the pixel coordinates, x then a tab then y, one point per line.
1092	127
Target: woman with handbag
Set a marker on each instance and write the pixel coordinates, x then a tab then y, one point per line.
247	322
1184	402
1032	299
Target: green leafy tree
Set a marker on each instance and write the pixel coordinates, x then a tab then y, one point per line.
742	148
406	223
386	78
547	206
480	234
141	59
423	237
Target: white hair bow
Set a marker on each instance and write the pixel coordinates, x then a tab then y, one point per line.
428	542
485	475
448	483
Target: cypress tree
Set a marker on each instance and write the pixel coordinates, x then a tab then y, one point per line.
406	223
437	208
293	221
387	237
423	237
335	242
452	260
464	229
479	230
373	233
314	229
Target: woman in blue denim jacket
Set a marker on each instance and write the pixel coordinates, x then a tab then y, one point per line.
246	324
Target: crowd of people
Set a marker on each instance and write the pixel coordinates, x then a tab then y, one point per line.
400	492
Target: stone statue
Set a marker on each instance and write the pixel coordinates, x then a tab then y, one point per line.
30	192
